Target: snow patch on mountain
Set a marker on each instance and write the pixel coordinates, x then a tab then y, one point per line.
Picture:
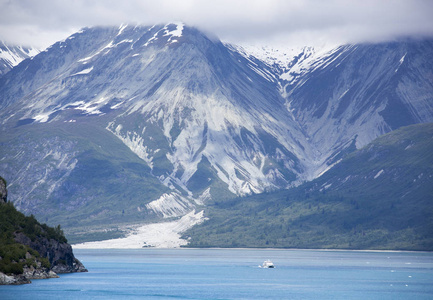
107	49
85	60
11	56
122	28
15	55
170	205
83	72
204	197
133	141
173	33
378	174
271	55
89	108
290	62
171	30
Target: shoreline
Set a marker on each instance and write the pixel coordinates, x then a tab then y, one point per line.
270	249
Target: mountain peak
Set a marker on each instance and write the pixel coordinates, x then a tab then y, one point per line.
11	56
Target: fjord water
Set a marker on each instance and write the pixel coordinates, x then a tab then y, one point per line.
235	274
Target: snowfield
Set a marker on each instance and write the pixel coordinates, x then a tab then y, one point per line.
158	235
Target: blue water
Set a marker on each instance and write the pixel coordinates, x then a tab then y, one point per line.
234	274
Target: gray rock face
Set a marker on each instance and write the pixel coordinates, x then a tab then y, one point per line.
29	273
13	279
60	255
38	273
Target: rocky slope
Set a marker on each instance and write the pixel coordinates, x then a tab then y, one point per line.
29	250
360	92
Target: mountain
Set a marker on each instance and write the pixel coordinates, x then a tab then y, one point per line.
29	250
364	91
378	197
134	124
10	56
155	116
344	97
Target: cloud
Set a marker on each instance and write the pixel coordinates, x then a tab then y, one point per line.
43	22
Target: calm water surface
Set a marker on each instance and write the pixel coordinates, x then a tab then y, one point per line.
234	274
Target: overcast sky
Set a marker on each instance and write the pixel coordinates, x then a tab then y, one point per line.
43	22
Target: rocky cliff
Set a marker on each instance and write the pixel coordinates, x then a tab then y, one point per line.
59	254
30	250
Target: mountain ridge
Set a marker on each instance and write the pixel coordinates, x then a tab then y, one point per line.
11	56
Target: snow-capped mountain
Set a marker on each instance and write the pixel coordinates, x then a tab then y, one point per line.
202	103
289	63
156	121
346	96
360	92
10	56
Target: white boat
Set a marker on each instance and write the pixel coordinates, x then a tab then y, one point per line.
267	264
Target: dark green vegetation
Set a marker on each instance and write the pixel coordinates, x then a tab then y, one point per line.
29	249
13	255
379	197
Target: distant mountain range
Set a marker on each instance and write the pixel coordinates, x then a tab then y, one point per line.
10	56
138	124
